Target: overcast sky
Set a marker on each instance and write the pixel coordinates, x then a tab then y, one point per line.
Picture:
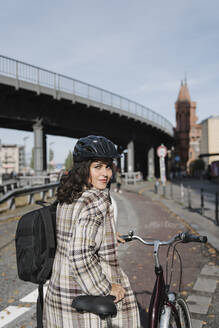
138	49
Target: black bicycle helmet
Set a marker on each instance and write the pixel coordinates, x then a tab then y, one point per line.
94	147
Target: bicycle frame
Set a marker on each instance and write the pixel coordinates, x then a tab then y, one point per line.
161	303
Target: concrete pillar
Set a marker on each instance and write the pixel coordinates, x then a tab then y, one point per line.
125	162
131	159
44	152
151	164
156	163
38	147
119	163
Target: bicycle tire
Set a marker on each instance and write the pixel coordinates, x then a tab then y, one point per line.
184	314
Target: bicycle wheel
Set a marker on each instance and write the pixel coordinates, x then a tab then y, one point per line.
184	314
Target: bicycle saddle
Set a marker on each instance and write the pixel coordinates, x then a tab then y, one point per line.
101	305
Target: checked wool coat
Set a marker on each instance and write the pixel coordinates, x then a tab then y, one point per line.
86	263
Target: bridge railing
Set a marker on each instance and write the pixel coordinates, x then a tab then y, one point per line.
42	77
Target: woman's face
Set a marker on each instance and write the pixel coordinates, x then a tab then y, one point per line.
100	174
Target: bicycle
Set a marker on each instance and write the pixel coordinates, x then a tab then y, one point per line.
167	309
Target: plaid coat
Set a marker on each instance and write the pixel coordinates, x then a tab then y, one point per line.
86	263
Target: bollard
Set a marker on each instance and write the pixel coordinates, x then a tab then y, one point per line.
171	190
216	209
189	198
156	185
164	190
202	201
182	193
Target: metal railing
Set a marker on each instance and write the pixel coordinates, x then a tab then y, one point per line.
61	83
26	181
132	177
8	201
198	201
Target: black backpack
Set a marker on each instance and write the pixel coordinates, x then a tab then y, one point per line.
35	243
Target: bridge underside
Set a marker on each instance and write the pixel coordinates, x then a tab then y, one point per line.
20	109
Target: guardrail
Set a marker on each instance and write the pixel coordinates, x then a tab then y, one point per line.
35	180
24	181
8	201
9	185
42	77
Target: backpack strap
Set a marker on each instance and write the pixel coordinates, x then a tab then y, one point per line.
50	239
40	306
49	258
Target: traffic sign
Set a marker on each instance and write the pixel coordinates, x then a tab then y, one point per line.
161	151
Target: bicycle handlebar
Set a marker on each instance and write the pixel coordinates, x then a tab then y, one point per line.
184	237
187	238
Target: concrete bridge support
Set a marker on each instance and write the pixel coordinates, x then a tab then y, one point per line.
156	163
125	162
143	159
151	163
140	162
131	157
39	148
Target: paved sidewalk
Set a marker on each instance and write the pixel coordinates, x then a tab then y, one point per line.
144	211
203	297
198	222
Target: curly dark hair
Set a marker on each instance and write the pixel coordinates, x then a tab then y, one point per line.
73	184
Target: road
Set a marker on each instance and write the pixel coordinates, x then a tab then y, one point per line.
148	217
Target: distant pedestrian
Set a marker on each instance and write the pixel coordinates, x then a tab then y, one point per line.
118	177
156	186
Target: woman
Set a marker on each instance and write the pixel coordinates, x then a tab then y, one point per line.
86	257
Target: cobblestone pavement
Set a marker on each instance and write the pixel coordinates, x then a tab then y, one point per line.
149	216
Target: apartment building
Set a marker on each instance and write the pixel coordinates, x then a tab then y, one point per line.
209	142
12	159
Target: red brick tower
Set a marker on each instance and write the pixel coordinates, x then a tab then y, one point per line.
187	132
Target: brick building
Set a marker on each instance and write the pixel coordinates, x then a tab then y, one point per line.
187	132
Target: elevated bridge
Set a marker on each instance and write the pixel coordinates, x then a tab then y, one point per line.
35	99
